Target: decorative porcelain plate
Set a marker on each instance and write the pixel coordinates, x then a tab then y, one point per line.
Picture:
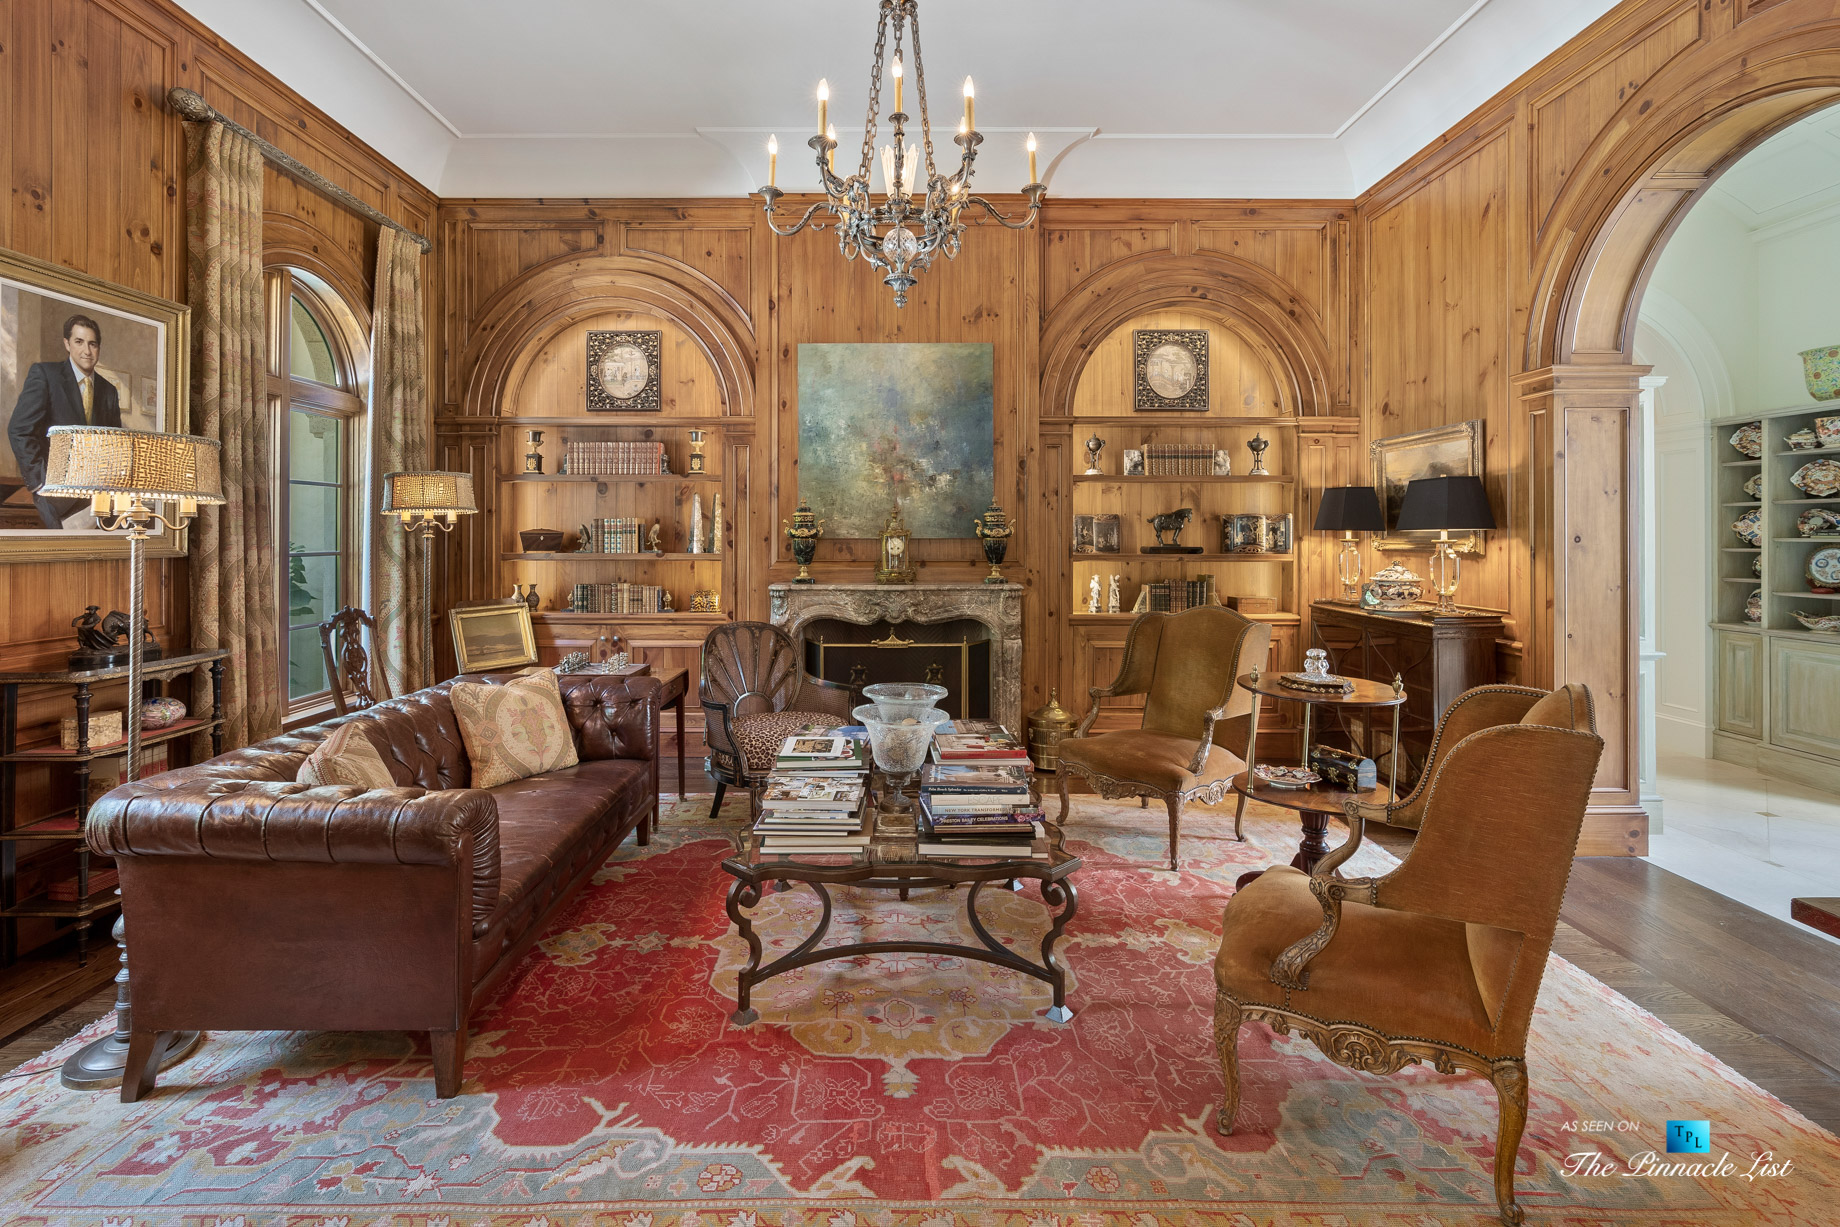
1754	487
1818	522
1817	622
1287	777
1753	605
1749	527
1824	568
1748	439
1817	478
1803	440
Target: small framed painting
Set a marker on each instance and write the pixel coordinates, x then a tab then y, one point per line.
1171	369
1133	462
623	372
492	635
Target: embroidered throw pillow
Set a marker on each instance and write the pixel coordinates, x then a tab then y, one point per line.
346	757
514	731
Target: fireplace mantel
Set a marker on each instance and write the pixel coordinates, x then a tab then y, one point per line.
997	606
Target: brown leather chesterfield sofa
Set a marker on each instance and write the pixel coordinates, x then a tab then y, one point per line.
256	903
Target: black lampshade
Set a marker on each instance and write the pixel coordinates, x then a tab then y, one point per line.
1349	508
1445	502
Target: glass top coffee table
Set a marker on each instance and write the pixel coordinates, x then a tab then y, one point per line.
891	863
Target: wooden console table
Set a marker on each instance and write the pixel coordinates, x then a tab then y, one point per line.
1438	655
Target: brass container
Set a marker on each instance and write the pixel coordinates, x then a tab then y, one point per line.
1047	725
802	534
993	529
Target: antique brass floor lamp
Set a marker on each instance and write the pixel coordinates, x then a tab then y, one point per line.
423	502
135	480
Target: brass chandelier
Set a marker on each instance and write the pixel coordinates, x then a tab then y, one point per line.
901	235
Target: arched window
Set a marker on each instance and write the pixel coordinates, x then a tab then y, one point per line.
316	371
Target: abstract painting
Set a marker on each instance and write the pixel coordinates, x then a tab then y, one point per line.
907	423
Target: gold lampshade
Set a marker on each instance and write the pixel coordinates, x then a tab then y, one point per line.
432	493
86	461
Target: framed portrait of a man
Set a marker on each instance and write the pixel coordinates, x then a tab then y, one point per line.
76	351
623	372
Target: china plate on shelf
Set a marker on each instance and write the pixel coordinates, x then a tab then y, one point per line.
1817	622
1287	777
1754	487
1818	522
1749	527
1748	439
1753	606
1824	568
1817	478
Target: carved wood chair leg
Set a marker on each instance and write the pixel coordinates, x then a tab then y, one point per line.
1510	1079
1174	802
1239	819
1066	799
142	1066
1227	1018
1143	801
716	806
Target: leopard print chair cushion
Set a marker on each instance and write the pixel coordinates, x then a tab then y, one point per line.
760	735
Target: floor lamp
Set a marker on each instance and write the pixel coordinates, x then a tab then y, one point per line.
424	502
135	480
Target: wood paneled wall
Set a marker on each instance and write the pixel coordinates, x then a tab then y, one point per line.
94	160
1500	271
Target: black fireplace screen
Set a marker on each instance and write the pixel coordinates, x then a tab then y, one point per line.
955	655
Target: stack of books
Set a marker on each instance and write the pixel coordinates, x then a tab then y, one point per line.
614	458
1175	595
816	797
981	804
1179	459
616	535
618	599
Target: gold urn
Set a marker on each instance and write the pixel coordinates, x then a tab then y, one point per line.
1047	725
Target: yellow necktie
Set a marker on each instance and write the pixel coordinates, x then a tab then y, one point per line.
89	399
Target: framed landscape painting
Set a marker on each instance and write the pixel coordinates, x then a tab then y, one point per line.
1443	451
75	350
883	424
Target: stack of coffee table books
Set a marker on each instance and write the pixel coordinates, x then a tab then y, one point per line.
978	741
816	798
979	809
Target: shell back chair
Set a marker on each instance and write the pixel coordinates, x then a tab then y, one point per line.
349	669
1196	720
755	692
1439	960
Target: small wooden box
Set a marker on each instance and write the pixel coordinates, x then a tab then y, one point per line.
1253	604
105	728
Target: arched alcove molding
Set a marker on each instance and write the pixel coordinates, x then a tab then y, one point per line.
287	240
527	313
1240	296
1665	147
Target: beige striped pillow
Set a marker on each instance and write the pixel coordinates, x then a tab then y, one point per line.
514	731
346	757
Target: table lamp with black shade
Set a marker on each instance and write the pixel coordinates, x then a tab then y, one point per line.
1349	510
136	480
1444	504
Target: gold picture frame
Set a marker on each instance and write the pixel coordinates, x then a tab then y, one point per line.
492	635
1454	450
146	361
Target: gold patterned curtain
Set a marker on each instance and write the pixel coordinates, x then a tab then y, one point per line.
233	577
399	441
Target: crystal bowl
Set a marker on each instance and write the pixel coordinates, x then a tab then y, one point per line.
900	747
901	700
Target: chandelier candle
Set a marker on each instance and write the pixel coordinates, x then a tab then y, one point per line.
923	213
772	159
1032	174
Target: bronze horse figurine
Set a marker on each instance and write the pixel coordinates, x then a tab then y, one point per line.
1171	522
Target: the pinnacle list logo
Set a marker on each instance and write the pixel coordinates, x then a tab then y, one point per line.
1689	1137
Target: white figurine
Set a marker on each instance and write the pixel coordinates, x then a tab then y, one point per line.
1111	594
1092	596
696	524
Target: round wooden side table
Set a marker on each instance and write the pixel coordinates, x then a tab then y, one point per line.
1318	803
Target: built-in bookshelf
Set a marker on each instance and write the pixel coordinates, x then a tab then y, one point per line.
1776	700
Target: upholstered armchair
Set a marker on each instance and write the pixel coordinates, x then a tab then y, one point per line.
1196	720
1439	960
1474	710
755	692
343	640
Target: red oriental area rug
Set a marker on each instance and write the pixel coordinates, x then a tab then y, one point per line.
607	1086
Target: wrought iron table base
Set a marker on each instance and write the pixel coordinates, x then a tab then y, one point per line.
746	893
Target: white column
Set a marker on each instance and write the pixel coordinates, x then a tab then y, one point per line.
1647	654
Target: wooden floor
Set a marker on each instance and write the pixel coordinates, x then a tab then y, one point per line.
1759	993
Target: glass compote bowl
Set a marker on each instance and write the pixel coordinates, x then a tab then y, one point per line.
900	742
899	700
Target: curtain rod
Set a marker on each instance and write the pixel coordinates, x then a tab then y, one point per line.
192	106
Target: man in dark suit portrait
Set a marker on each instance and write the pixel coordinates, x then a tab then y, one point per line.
67	393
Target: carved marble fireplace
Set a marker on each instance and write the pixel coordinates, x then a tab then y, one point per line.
997	606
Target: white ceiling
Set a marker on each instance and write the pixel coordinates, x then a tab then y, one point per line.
1790	181
1187	98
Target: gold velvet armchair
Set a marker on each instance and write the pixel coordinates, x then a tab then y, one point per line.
1439	960
1196	720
